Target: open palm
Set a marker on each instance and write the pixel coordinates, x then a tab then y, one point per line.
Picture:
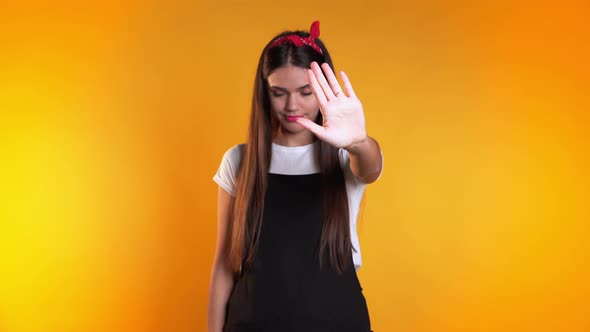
344	119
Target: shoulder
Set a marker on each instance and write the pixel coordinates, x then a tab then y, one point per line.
234	154
228	168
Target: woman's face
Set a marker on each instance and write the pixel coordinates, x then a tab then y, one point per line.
291	97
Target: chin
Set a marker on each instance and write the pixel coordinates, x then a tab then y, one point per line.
294	128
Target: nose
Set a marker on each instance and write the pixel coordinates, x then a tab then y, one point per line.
291	104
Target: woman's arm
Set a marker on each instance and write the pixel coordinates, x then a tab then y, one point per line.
344	121
221	283
365	159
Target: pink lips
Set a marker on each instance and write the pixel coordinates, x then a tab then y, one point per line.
293	118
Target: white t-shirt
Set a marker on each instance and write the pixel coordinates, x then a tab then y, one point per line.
299	160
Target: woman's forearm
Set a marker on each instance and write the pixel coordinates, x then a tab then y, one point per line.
220	288
366	159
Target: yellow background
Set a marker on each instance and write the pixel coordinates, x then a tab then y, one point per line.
114	117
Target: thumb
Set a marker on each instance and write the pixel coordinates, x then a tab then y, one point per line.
318	130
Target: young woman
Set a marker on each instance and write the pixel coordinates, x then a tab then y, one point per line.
287	246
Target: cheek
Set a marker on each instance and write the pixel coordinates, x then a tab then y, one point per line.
275	105
309	102
311	105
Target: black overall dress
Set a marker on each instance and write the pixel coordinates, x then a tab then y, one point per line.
284	290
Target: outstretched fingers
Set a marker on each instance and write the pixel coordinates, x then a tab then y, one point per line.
347	85
334	85
321	79
316	88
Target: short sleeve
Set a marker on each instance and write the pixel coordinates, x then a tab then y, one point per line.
226	173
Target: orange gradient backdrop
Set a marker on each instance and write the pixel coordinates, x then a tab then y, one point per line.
114	117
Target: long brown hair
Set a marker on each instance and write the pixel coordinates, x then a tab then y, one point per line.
252	176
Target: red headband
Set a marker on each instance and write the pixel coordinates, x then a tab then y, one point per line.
314	32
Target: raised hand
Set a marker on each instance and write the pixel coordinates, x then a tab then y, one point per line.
344	119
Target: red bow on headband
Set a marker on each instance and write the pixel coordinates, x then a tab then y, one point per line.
314	32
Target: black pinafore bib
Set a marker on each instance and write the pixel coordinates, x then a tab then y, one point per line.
285	290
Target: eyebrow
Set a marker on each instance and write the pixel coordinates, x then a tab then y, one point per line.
283	89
